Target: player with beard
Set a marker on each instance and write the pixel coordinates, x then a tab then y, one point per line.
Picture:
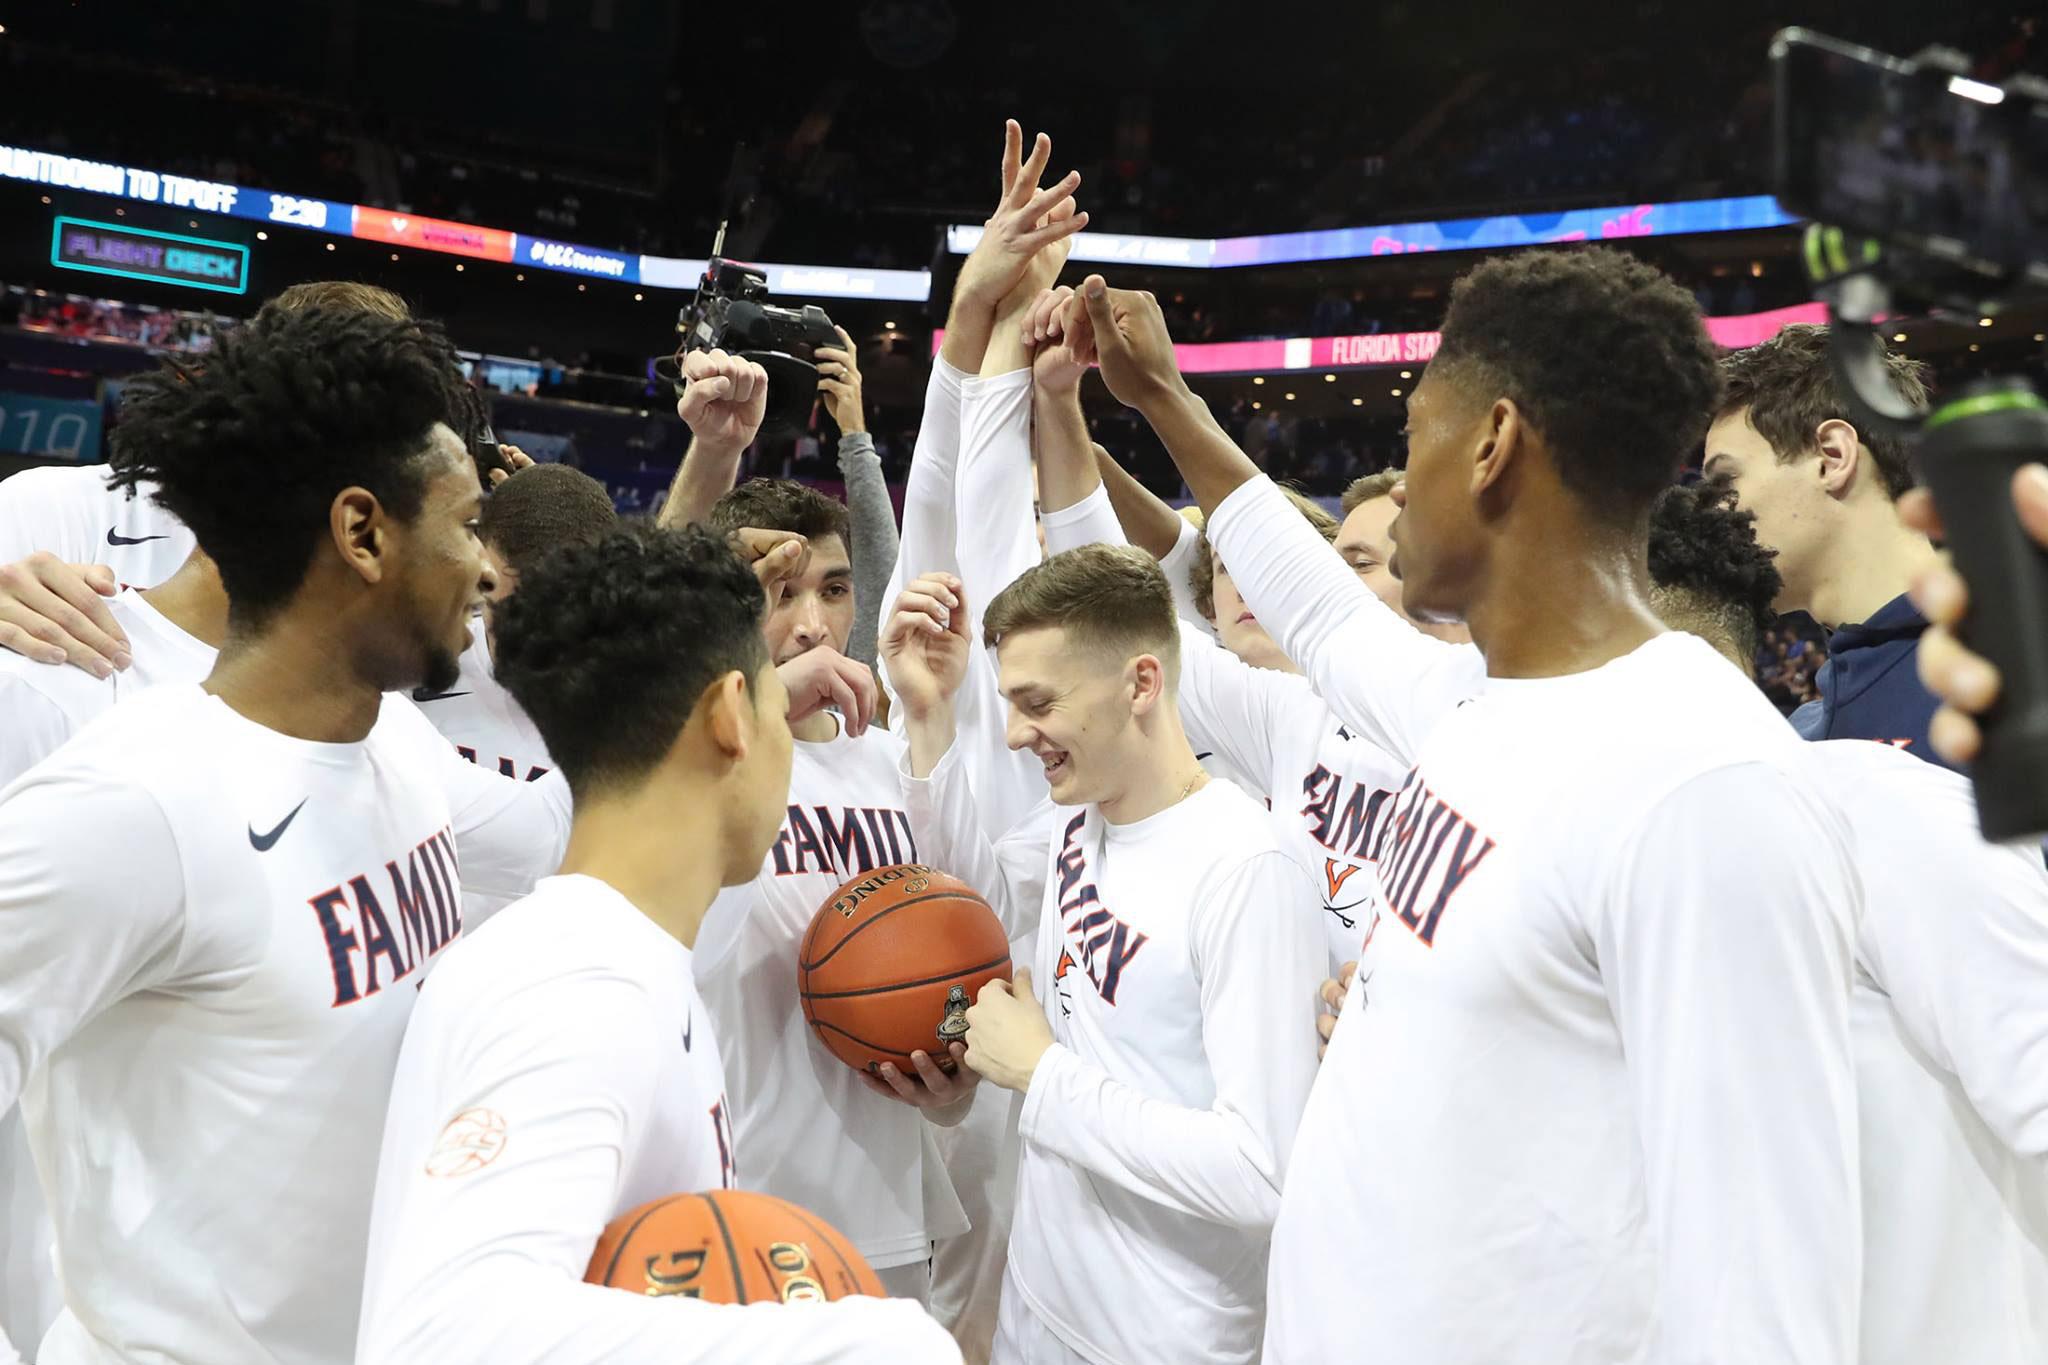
1593	1096
531	514
208	1018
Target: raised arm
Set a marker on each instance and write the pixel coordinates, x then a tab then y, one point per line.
1379	674
724	400
867	494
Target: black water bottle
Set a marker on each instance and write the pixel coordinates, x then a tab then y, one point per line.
1969	450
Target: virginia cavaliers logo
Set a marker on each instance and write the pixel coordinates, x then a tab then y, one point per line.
1335	874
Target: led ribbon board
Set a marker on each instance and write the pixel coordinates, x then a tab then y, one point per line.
1392	239
140	254
437	234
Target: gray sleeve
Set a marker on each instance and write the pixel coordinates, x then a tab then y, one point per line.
874	539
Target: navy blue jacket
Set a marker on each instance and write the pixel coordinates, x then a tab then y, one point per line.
1869	686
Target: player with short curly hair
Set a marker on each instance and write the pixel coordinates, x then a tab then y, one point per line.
296	846
1570	997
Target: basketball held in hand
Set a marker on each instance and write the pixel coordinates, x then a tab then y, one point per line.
892	961
729	1246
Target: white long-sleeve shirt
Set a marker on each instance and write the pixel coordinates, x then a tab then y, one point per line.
70	511
812	1133
1592	1096
1951	1033
1177	959
206	1024
558	1072
1387	681
1272	734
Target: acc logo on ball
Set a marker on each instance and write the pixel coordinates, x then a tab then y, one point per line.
472	1140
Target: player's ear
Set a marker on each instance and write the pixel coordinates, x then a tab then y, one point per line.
361	532
727	712
1504	432
1841	455
1146	677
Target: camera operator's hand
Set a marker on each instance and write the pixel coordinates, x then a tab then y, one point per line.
1966	681
724	400
1026	219
1063	338
839	384
1132	345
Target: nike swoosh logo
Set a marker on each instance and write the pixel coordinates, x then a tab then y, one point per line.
689	1028
420	694
1200	757
262	842
116	538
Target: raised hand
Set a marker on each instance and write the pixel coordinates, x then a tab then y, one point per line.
823	677
839	384
1026	219
1063	338
774	556
1132	346
924	644
724	399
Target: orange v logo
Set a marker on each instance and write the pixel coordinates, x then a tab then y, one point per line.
1336	875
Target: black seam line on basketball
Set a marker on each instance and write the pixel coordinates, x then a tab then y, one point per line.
732	1255
906	985
826	1242
899	905
821	1025
627	1240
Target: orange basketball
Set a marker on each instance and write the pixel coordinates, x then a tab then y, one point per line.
728	1246
892	961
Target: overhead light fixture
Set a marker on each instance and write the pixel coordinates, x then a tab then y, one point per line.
1256	405
1258	379
581	288
1975	90
1329	379
1898	336
1406	375
1983	322
458	267
330	246
1975	347
1290	398
2041	336
638	297
1395	392
890	323
394	255
262	236
46	198
1358	402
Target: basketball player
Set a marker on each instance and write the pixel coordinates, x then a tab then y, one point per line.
1245	707
209	1020
1597	1100
1950	1008
58	519
1825	496
541	509
587	1059
1161	1087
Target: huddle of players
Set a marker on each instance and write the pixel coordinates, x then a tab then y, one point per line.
1653	991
